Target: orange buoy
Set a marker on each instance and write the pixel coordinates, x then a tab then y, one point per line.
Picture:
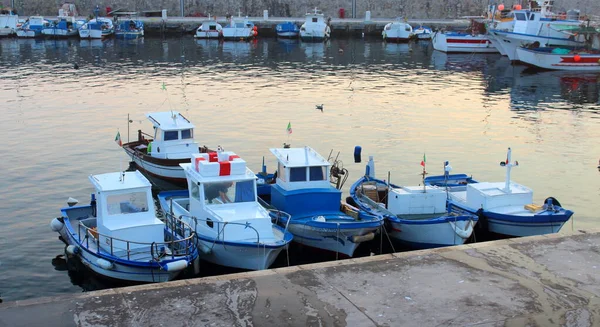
255	28
500	7
518	7
577	58
255	33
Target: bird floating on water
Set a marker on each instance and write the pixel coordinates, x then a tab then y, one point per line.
76	66
319	107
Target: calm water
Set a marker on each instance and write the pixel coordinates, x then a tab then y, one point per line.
396	101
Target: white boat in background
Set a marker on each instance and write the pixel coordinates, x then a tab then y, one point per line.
221	204
32	27
97	28
397	31
423	32
239	28
209	29
556	58
8	22
539	24
119	236
315	29
455	42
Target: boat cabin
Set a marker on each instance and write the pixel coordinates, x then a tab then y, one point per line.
210	25
314	21
494	195
222	189
173	136
302	184
125	212
37	21
417	200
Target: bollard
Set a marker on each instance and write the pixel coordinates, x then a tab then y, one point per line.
368	16
164	14
265	14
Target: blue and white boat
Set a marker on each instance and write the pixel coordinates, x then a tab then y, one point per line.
239	28
119	236
232	228
287	30
129	29
65	26
417	215
33	27
507	206
449	180
302	189
97	28
423	32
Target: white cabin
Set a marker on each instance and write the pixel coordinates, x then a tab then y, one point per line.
416	200
300	168
173	136
494	195
315	27
222	189
125	211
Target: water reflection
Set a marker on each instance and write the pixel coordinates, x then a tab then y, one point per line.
313	50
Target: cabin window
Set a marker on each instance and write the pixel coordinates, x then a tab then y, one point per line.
195	191
171	135
520	16
186	134
127	203
315	19
212	27
407	28
531	16
317	173
298	174
209	223
229	192
157	134
281	172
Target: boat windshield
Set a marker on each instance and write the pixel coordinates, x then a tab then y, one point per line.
127	203
229	192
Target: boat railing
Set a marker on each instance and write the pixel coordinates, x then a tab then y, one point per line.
180	244
277	215
220	226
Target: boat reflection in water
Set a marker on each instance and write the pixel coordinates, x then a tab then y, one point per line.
288	45
465	62
314	50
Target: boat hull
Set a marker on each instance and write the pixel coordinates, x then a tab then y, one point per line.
461	43
289	35
331	238
129	35
29	33
237	33
207	34
510	42
571	61
56	32
94	34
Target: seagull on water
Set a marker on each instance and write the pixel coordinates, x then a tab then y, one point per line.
319	107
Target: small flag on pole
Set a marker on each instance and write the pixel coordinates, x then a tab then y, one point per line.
118	139
424	160
164	86
289	128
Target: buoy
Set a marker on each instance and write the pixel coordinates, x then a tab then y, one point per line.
104	264
255	33
577	58
56	225
72	201
175	265
72	249
254	28
500	7
357	151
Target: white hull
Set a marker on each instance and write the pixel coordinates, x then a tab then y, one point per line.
243	257
6	31
586	62
512	41
523	229
497	43
287	34
59	32
313	35
168	172
328	239
207	34
27	34
433	235
396	35
453	42
237	33
93	34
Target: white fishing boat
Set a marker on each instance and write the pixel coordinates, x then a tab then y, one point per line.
119	236
507	207
417	215
171	143
209	29
397	31
455	42
539	24
8	22
232	228
557	58
97	28
32	27
239	28
315	29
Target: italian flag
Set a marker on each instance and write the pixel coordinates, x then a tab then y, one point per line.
424	160
118	139
289	128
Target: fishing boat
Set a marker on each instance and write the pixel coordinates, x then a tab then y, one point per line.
317	216
449	180
398	31
172	143
32	27
119	236
287	30
539	24
417	215
8	22
423	32
97	28
315	29
232	228
129	29
507	206
557	58
239	28
473	40
209	29
65	26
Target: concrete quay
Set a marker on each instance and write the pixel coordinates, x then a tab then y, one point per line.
550	280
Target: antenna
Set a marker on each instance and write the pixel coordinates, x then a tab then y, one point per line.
508	166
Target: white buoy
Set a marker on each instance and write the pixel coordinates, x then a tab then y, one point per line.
72	249
175	265
56	225
104	264
72	201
